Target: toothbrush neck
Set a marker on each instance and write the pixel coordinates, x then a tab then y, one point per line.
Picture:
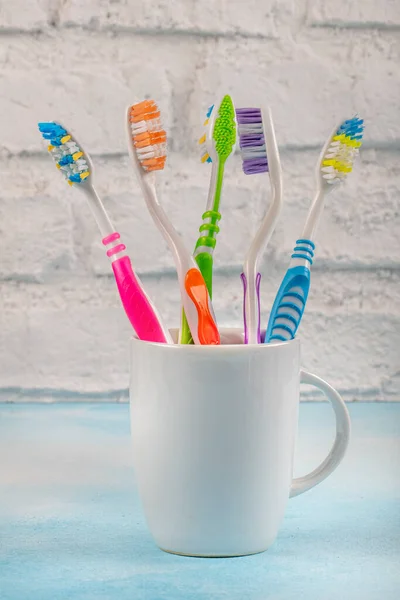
99	212
183	260
212	186
218	184
264	232
313	216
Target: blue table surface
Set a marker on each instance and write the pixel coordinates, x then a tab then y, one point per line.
71	524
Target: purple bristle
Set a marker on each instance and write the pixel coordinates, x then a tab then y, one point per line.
251	139
248	115
251	166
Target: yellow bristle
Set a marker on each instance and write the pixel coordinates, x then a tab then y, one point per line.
347	140
77	155
205	122
84	175
50	147
71	183
352	143
58	166
202	139
65	139
205	157
343	167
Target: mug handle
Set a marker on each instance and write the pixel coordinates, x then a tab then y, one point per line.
338	450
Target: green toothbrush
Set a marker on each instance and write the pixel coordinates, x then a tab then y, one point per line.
219	142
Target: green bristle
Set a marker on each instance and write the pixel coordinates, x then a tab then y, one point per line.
225	128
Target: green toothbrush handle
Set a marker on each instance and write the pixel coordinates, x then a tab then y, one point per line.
205	245
205	262
185	335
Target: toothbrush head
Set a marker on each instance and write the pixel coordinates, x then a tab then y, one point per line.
219	141
338	155
252	143
224	132
75	165
258	146
147	136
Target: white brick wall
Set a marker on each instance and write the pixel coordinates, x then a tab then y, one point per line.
63	334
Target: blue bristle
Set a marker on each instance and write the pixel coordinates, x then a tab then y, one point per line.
66	160
51	129
210	110
75	178
352	128
46	127
53	132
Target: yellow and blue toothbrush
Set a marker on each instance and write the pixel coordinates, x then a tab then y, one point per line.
335	163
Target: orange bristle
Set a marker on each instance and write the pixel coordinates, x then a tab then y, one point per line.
149	138
144	111
143	106
154	164
144	116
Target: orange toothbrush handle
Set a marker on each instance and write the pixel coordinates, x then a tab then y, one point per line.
197	291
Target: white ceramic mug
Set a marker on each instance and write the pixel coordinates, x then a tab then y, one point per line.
213	432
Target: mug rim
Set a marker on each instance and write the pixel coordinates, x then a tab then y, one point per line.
210	348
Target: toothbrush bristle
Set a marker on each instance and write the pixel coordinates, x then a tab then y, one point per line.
66	153
148	136
224	130
251	141
343	148
205	157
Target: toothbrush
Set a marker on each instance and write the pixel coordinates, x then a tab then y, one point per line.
334	164
77	167
260	154
147	149
220	143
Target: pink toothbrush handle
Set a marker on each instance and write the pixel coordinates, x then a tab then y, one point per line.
137	306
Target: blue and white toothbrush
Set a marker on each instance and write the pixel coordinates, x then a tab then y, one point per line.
334	164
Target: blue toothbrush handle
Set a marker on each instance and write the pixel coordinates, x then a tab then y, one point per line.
289	305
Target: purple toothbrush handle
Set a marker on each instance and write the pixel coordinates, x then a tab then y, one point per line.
258	284
257	290
244	281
